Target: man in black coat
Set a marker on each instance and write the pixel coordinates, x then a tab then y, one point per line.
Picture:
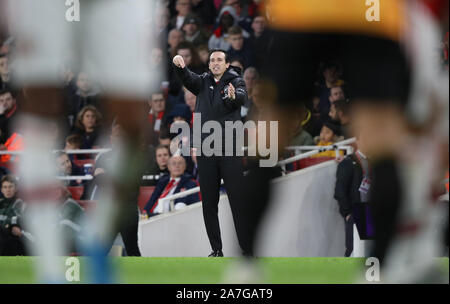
220	94
352	187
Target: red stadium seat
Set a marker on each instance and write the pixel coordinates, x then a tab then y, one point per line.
76	191
310	161
144	195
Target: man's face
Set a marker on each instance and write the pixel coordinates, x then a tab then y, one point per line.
183	7
236	41
217	64
7	101
187	56
250	79
158	103
8	189
83	82
4	68
64	165
331	74
162	157
333	114
258	25
336	93
190	99
175	37
190	29
177	166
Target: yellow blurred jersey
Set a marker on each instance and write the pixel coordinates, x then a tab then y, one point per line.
339	16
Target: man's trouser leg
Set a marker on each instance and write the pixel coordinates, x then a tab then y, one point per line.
231	170
349	236
209	180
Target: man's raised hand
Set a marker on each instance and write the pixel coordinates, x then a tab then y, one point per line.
179	61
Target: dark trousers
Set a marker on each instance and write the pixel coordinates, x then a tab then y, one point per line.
10	245
349	236
211	170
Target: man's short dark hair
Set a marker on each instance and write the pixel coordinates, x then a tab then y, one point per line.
342	105
8	178
227	57
159	147
164	133
235	30
6	89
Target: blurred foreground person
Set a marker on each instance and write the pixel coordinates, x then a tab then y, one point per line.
110	41
394	85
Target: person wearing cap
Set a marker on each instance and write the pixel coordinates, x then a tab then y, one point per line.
192	31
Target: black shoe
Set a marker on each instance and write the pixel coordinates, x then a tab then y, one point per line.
216	254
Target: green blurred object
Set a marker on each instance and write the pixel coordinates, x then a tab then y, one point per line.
133	270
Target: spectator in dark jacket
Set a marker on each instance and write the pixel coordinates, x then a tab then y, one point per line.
8	110
67	168
352	187
85	94
239	46
176	182
193	33
11	210
87	125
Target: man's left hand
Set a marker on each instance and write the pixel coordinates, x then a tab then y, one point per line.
231	92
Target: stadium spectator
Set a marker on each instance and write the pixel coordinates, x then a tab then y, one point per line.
87	125
4	71
11	210
190	100
260	41
203	53
183	8
227	18
329	134
352	187
162	25
157	165
237	62
73	142
251	77
336	93
331	73
239	47
164	137
205	10
193	32
8	110
157	116
244	20
175	37
342	109
176	182
67	168
187	51
86	94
